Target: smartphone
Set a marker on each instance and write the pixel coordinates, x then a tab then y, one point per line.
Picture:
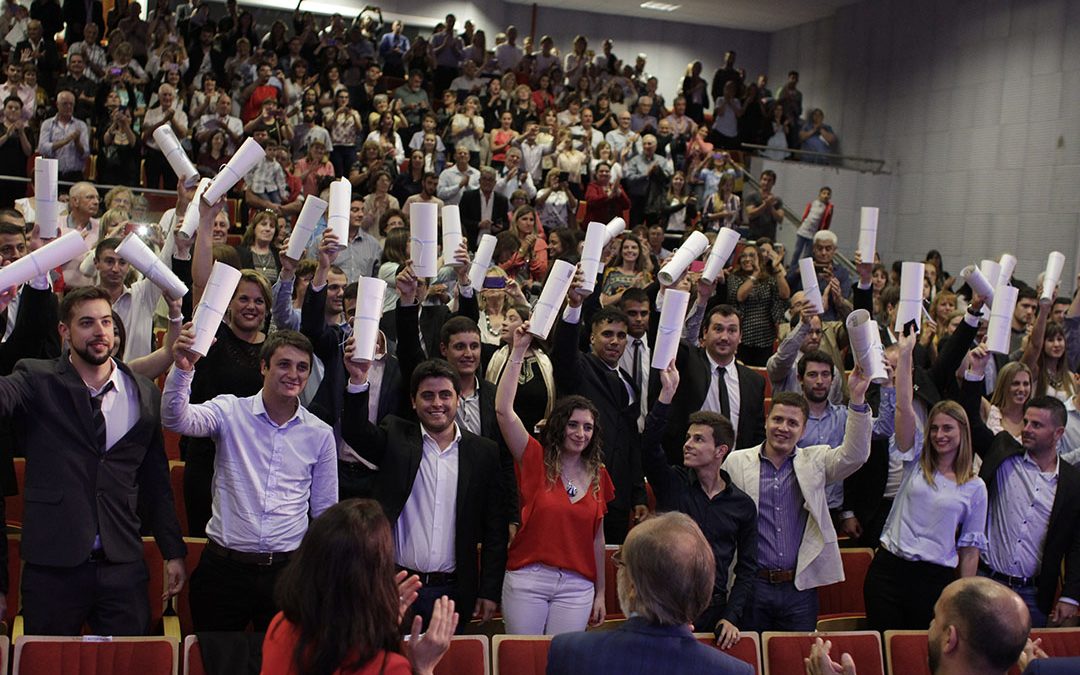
494	283
697	266
115	71
564	176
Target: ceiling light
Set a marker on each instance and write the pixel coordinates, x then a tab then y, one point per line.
660	6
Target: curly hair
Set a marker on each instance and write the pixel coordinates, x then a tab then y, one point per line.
554	434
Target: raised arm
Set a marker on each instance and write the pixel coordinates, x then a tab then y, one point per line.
842	461
177	413
659	473
905	393
1034	344
357	430
202	256
971	398
782	361
513	430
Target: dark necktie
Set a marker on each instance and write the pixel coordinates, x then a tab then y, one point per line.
637	365
721	390
100	428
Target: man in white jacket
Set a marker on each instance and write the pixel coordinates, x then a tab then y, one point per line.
797	549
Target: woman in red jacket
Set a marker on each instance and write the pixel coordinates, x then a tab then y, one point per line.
604	199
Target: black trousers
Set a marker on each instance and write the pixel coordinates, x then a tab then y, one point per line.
198	475
900	594
355	480
110	597
706	623
157	169
226	595
616	524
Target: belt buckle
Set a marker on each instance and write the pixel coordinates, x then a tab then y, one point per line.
269	560
774	576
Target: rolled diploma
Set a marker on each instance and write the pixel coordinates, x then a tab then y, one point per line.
190	226
911	285
142	258
810	285
337	217
614	229
482	260
551	298
246	157
174	153
1007	265
1054	264
305	226
726	241
424	239
215	301
451	233
998	333
48	206
595	241
50	256
991	270
974	278
369	306
862	332
672	318
868	219
691	249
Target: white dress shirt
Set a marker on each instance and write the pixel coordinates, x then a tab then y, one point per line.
627	364
120	405
712	396
425	535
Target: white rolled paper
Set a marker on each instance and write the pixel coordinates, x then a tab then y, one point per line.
551	298
866	345
991	270
868	219
243	161
174	153
56	253
482	260
614	229
726	241
337	215
451	233
911	291
1055	263
219	291
591	252
370	292
672	318
306	222
1006	267
810	285
690	251
999	332
142	258
973	277
47	217
190	225
424	239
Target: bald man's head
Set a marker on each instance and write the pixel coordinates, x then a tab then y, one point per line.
978	623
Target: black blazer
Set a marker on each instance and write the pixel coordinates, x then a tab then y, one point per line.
74	489
1063	530
586	375
469	206
396	447
431	320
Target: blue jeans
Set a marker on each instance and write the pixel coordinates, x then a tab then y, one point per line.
1027	594
802	245
781	607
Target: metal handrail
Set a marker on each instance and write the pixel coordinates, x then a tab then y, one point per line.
107	186
829	155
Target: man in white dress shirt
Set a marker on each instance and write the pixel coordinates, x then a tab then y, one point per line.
456	179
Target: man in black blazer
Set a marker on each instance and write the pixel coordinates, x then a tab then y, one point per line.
741	399
1027	502
483	211
91	430
438	484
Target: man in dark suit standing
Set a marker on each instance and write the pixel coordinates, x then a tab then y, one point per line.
438	484
483	211
92	435
665	581
713	381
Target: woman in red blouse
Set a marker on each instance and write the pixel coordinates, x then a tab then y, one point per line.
341	603
555	567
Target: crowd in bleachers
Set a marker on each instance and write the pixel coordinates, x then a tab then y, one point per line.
506	458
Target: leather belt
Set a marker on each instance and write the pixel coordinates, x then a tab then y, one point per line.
1010	581
266	559
97	555
777	576
432	578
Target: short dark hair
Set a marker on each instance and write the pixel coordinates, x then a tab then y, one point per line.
793	399
456	325
770	173
993	637
723	431
1026	293
431	369
12	98
816	356
109	244
1062	300
724	310
633	294
78	297
609	315
11	228
285	338
416	72
890	296
1058	413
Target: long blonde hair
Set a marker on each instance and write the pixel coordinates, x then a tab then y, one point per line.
1004	382
963	463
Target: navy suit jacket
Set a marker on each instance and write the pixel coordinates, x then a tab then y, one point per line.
639	647
1054	666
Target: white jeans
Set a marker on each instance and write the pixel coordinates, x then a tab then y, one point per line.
542	600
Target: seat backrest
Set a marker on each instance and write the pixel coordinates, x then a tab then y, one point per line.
176	482
846	597
155	586
1058	641
747	649
520	654
13	505
468	655
907	652
38	655
784	652
193	664
182	600
14	542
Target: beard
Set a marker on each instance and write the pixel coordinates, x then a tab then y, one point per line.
816	398
90	357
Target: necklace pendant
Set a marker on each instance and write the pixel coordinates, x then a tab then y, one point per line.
571	489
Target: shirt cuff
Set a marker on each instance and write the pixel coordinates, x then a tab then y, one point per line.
317	289
1068	601
572	314
864	287
859	407
357	388
844	515
972	377
466	290
972	319
40	282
